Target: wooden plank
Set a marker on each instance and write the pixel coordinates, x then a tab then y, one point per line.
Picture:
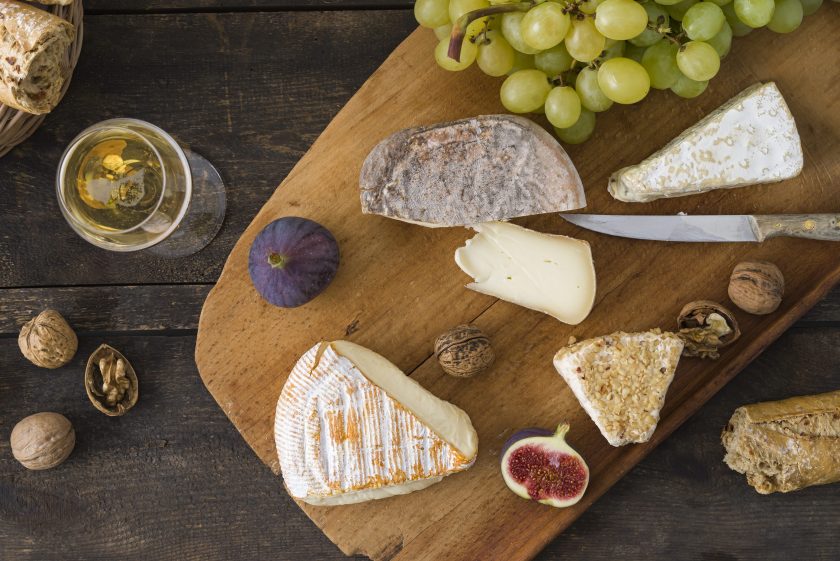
249	91
111	308
164	6
189	489
402	302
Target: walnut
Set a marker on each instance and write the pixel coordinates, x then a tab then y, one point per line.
705	327
42	440
47	340
110	381
756	287
464	351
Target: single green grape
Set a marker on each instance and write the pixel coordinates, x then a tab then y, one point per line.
620	19
512	30
722	42
468	54
677	11
589	92
431	13
688	88
555	60
495	55
656	16
667	2
584	42
755	13
721	3
562	107
525	91
739	28
787	16
810	6
589	6
623	80
612	49
544	25
698	60
703	21
660	62
521	61
580	131
443	31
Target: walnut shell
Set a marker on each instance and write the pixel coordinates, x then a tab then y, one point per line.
47	340
111	382
464	351
42	440
756	287
701	314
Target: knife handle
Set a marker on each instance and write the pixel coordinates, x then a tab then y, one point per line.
811	226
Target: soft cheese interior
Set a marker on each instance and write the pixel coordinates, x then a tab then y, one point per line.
551	274
351	426
750	139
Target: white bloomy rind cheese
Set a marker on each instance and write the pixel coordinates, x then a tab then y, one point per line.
350	426
750	139
551	274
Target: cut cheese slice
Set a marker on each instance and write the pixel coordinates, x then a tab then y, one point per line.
621	380
551	274
491	167
750	139
351	427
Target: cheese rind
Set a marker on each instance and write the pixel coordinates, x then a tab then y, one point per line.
548	273
490	167
350	427
621	380
750	139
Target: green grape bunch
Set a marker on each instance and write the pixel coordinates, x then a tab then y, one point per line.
571	59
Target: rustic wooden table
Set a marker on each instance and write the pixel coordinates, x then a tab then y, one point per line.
250	84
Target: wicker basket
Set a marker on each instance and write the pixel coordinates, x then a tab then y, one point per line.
16	126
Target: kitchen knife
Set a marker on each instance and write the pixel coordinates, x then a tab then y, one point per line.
728	228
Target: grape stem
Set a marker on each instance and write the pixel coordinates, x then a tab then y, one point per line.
459	28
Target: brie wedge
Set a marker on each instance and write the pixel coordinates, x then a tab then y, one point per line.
750	139
491	167
351	427
551	274
621	380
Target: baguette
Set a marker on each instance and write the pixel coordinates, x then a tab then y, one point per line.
786	445
33	43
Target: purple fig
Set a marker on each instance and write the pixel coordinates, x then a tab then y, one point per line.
537	464
292	260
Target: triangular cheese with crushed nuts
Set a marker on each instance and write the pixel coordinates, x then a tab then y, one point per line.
621	380
350	426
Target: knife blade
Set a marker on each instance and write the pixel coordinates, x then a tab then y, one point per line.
706	228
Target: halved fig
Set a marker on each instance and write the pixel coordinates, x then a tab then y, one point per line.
538	464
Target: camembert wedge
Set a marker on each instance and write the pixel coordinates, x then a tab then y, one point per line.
544	272
350	426
621	380
750	139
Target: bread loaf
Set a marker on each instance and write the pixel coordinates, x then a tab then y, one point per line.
786	445
32	45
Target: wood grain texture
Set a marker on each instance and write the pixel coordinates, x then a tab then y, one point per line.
165	6
249	91
245	347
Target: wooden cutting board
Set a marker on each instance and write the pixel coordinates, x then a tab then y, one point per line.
398	287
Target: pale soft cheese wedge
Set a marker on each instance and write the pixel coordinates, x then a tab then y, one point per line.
750	139
548	273
621	380
350	426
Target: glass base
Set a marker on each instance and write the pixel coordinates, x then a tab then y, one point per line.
205	214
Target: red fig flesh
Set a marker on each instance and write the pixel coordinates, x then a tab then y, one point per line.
538	464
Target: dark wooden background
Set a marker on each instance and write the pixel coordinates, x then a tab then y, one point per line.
250	84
